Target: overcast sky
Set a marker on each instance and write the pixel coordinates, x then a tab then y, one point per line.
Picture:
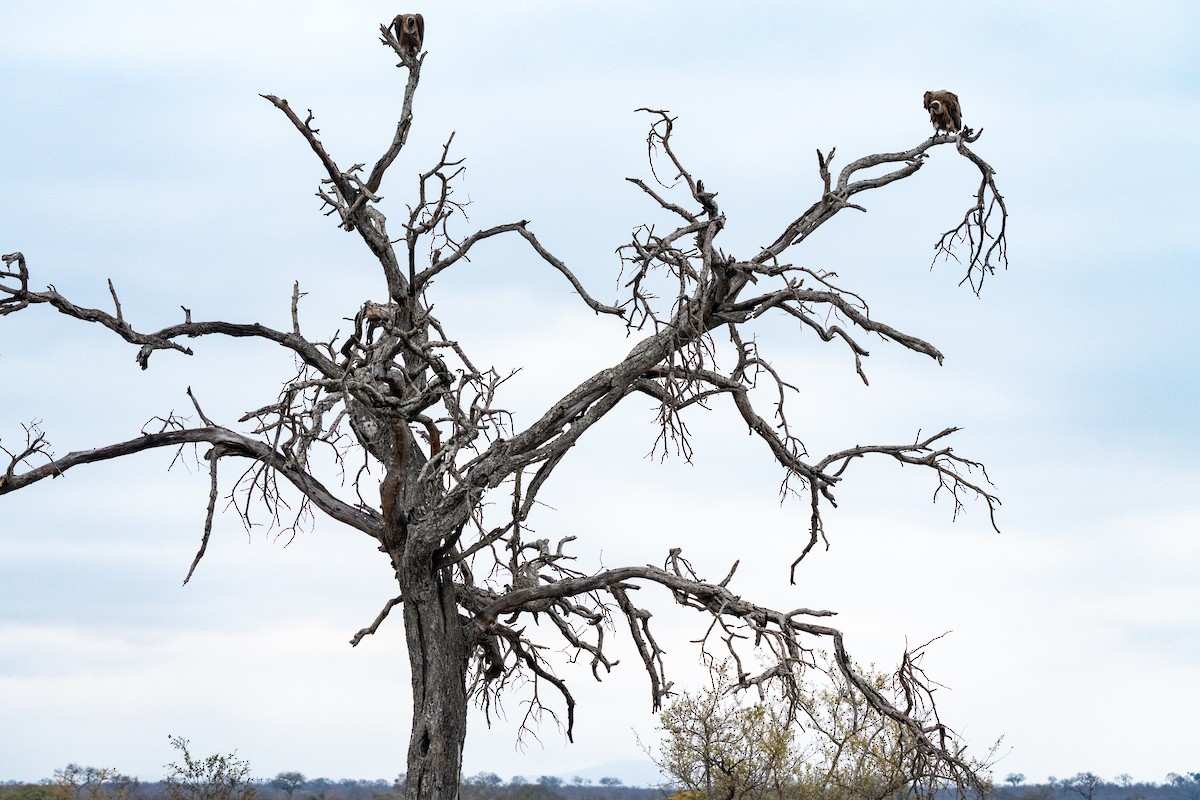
134	146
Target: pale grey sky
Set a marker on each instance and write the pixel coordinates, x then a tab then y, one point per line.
135	147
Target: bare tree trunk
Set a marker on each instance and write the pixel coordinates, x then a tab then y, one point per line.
438	657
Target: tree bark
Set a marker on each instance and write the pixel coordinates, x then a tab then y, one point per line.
438	658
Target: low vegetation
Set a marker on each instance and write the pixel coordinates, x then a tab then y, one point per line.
74	782
227	777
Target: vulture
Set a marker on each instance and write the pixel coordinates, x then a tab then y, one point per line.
944	111
410	32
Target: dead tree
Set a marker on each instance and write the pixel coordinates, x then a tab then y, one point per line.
398	400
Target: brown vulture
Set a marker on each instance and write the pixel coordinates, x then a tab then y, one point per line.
410	32
944	111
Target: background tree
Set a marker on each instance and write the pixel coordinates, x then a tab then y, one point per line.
488	779
288	782
1131	791
75	782
1186	784
716	747
851	750
1084	784
482	786
398	401
214	777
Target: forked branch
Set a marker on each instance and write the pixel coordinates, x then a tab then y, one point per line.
984	227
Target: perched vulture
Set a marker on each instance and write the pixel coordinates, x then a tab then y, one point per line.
944	111
410	32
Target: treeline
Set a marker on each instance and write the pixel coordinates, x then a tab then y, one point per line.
1090	786
489	786
90	783
228	777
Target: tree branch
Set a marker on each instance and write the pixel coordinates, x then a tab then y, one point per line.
227	443
404	125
